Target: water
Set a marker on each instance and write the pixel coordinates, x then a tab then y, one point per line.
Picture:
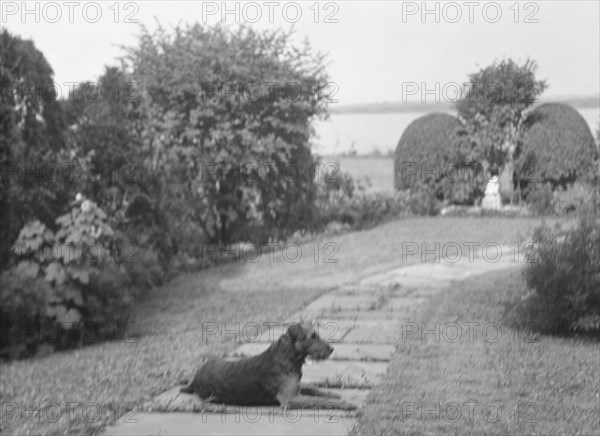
368	132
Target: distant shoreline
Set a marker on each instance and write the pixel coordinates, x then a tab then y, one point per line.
577	102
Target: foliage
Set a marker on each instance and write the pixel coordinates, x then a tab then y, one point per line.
105	123
429	156
492	112
31	133
492	108
565	279
221	136
71	270
343	203
558	144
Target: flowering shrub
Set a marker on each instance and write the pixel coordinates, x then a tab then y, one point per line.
66	278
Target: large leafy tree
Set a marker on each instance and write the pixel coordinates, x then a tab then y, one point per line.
492	110
105	127
31	137
227	121
101	119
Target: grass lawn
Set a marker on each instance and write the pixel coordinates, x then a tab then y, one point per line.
169	321
514	382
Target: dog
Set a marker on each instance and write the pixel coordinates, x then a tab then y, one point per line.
270	378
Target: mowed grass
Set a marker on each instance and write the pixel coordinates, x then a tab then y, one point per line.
168	324
500	380
379	170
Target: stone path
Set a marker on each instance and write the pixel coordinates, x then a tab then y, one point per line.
362	320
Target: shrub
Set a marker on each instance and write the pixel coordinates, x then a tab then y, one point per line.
65	279
576	197
351	204
425	144
558	145
433	154
22	299
565	279
541	199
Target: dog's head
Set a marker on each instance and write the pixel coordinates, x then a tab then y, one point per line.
306	342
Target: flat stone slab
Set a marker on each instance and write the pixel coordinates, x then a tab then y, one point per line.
341	351
296	422
174	401
434	271
344	373
403	304
424	292
357	289
363	352
331	303
394	279
329	330
378	314
375	332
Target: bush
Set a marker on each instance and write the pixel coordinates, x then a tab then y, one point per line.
350	204
22	299
433	154
425	144
565	280
576	197
66	283
558	147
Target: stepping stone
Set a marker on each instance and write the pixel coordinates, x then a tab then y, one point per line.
391	279
365	315
375	332
403	304
296	422
330	330
341	351
402	291
357	289
427	270
344	373
424	292
329	303
174	401
363	352
335	330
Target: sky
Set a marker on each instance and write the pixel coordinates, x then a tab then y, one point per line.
377	51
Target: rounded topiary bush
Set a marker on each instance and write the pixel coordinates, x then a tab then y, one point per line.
558	147
426	157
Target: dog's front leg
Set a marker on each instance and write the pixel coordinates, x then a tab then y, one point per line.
314	391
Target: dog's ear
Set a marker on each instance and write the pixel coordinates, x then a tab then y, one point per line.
294	332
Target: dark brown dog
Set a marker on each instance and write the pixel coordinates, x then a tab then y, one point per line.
272	377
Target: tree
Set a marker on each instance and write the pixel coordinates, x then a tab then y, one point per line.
226	113
492	109
31	136
105	127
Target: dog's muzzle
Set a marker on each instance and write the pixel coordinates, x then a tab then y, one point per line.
321	353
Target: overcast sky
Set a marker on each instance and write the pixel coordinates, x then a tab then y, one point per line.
375	48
